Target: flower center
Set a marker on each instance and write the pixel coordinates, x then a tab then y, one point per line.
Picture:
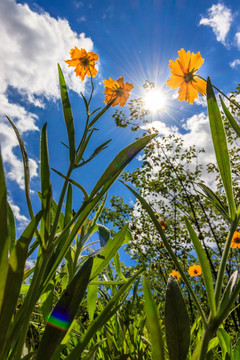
85	61
237	240
119	91
188	77
195	271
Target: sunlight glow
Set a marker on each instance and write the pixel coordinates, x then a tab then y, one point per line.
155	100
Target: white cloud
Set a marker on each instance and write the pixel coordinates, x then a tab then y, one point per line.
219	18
198	134
23	221
31	46
237	38
235	63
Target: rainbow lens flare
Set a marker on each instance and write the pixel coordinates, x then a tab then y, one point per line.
59	319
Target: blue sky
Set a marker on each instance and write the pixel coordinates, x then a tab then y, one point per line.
134	39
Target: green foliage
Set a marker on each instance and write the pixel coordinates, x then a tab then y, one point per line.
61	242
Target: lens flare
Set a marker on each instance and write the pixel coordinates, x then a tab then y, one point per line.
59	319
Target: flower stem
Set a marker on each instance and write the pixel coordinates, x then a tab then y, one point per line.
221	272
207	336
233	102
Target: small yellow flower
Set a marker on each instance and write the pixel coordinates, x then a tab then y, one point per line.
184	76
195	270
236	240
175	274
84	62
117	89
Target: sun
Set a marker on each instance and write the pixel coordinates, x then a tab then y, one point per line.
155	100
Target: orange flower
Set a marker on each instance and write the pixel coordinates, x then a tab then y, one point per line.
184	76
84	62
195	270
235	240
117	89
162	223
175	274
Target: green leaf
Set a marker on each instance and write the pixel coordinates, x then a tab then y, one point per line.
220	147
64	312
206	271
229	290
47	299
67	112
118	266
110	308
11	228
92	300
25	167
214	200
225	342
230	118
236	352
168	247
4	232
158	352
121	161
95	119
46	188
73	182
95	153
177	323
16	266
106	253
104	234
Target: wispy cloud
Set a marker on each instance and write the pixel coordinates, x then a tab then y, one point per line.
31	46
235	63
237	39
219	18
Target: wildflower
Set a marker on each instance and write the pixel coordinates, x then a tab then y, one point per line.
236	240
84	62
195	270
117	89
175	274
184	76
163	225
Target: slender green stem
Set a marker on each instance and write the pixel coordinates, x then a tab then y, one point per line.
222	267
233	102
207	336
90	98
60	204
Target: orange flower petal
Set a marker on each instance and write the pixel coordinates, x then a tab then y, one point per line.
200	85
175	81
196	61
185	59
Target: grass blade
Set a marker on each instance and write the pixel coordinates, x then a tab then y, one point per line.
12	228
4	233
25	167
158	351
109	250
177	323
155	220
206	271
121	161
67	112
220	147
46	187
214	199
15	273
101	319
64	312
230	118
